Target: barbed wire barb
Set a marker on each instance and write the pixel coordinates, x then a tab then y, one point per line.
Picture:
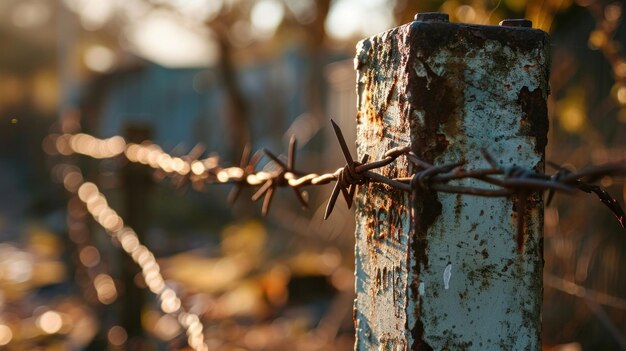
347	177
502	180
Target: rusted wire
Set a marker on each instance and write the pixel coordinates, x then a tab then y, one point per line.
499	181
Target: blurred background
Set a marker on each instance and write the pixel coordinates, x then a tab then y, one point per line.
212	76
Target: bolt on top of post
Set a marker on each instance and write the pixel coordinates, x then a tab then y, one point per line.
517	22
432	17
444	17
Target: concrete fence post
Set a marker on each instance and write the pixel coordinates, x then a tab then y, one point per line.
439	271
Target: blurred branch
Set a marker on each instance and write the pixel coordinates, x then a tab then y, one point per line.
574	289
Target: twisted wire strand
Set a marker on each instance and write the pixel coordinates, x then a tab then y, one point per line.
499	181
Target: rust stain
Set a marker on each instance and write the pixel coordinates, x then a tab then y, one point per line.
380	88
381	221
458	207
439	99
387	81
391	94
384	219
535	116
533	202
527	68
484	275
426	210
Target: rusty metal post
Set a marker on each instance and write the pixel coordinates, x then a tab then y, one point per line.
439	271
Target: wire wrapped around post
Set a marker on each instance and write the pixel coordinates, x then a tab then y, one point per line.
502	181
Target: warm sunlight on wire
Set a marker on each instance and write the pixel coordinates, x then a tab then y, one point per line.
170	303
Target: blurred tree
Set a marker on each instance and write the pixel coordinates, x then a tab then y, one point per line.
236	116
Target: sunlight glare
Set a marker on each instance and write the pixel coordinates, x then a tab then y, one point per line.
93	13
266	16
99	58
29	14
352	18
165	40
6	335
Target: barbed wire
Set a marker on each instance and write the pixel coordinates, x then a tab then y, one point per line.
97	206
497	180
92	274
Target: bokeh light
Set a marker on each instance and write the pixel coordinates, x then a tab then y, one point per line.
5	335
266	15
117	335
105	288
50	322
99	58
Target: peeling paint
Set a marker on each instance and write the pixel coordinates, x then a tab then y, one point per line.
449	90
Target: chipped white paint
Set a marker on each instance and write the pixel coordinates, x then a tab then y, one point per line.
493	302
447	274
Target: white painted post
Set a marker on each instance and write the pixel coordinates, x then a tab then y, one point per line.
441	271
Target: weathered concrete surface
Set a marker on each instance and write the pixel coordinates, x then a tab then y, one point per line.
442	271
